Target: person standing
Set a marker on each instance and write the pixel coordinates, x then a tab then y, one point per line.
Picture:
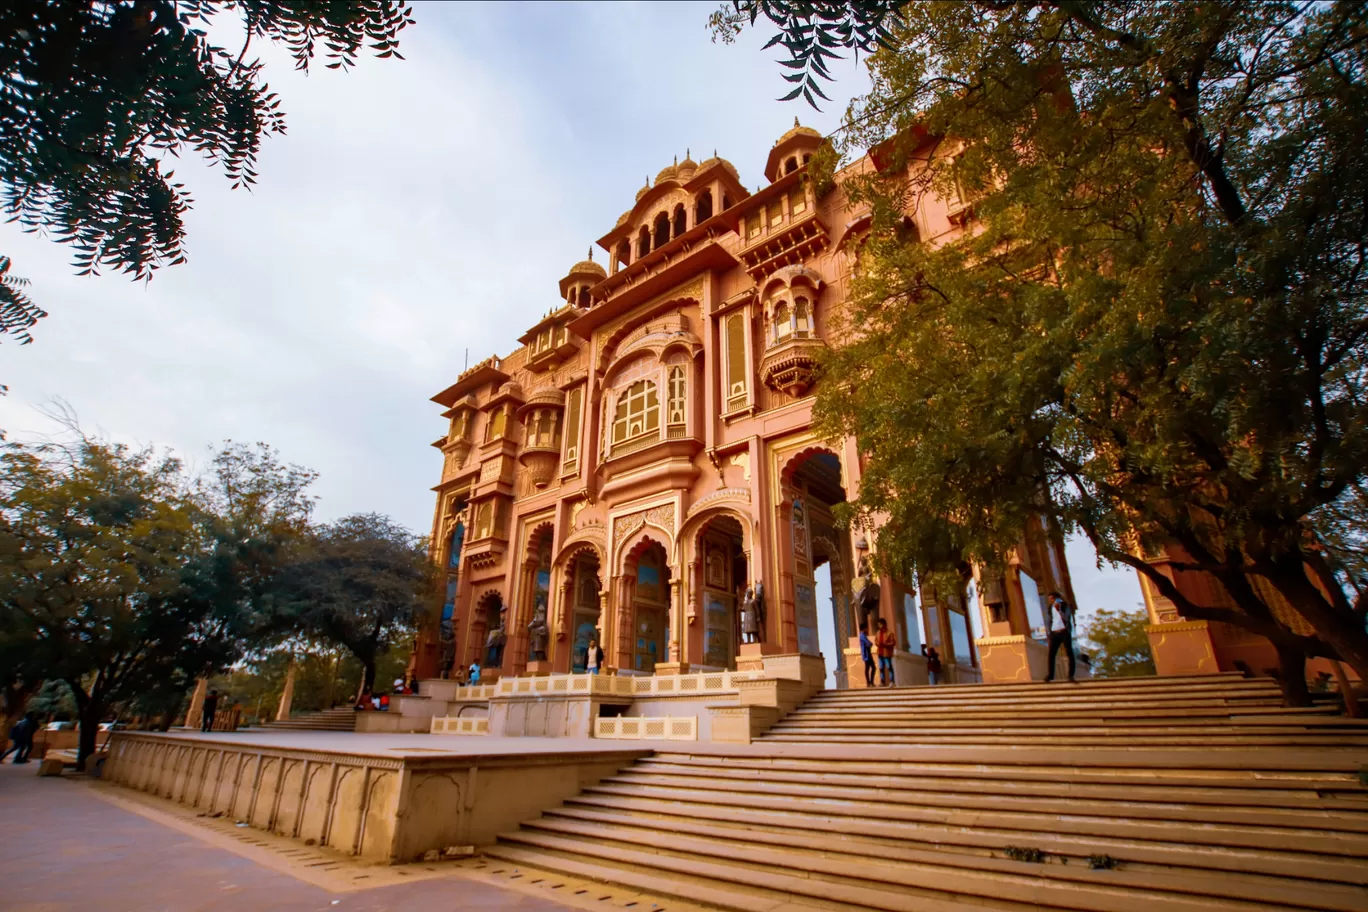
933	663
867	655
1061	634
474	673
593	657
22	735
210	707
885	642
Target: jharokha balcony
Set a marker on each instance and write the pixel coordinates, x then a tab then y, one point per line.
791	366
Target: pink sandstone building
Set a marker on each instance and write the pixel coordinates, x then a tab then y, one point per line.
646	454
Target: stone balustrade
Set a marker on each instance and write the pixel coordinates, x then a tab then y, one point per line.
647	728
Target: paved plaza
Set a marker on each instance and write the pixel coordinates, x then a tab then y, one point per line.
68	848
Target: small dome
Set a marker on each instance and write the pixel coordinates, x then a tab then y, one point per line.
686	168
668	172
799	130
644	190
724	163
588	267
622	219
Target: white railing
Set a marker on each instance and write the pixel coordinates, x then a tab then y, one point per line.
474	692
647	728
460	725
627	685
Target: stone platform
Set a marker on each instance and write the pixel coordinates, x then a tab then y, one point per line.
385	798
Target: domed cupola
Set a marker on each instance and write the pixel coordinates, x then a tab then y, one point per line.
574	288
793	150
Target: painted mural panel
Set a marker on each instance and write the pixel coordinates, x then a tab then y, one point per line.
805	611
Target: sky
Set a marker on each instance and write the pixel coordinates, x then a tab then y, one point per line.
416	210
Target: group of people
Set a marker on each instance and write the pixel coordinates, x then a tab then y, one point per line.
885	643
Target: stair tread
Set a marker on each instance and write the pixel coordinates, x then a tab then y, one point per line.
1290	891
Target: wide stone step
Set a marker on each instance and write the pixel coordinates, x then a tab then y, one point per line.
1262	710
1078	822
986	720
683	885
1148	699
968	834
1043	690
1070	738
1250	784
1053	784
1065	877
901	884
1347	821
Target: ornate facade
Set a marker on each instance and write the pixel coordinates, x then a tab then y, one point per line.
646	455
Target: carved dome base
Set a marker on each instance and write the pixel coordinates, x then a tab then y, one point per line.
540	463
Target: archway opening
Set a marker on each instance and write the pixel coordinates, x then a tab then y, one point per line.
650	572
725	576
821	561
487	634
537	624
586	625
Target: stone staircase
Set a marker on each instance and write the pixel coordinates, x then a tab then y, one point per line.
337	719
1007	798
1206	711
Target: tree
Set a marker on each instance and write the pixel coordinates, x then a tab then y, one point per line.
94	545
1156	330
97	98
362	583
1123	648
126	579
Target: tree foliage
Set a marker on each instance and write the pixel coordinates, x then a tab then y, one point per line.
362	583
126	579
96	99
1155	329
1123	648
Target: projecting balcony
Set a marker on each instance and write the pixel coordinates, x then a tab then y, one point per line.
540	463
790	367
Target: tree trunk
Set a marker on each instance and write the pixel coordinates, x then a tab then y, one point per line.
368	676
90	726
1292	676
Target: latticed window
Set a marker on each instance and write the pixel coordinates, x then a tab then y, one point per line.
542	430
498	424
798	201
573	404
734	329
675	404
802	318
460	425
775	214
637	413
783	322
484	519
753	226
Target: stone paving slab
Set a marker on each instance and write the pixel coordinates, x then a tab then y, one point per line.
65	849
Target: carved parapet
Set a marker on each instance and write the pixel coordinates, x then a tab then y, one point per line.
790	367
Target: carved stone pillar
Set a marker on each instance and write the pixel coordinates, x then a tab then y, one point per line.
623	595
516	656
676	644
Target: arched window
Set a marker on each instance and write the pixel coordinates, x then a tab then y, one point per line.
807	157
680	220
643	242
790	165
454	551
544	434
637	412
624	254
674	408
584	296
662	230
703	207
802	318
783	322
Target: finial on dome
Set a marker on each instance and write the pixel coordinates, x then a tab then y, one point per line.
591	253
686	152
676	161
796	123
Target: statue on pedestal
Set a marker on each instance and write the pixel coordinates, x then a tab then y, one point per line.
494	643
538	633
753	614
865	591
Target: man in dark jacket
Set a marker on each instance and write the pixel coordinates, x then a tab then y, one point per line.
1061	634
210	707
22	735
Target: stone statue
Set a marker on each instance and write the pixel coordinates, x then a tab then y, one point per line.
494	643
753	614
865	590
538	633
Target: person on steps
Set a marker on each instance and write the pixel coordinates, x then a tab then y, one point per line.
1061	634
885	642
207	713
933	664
867	655
593	657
